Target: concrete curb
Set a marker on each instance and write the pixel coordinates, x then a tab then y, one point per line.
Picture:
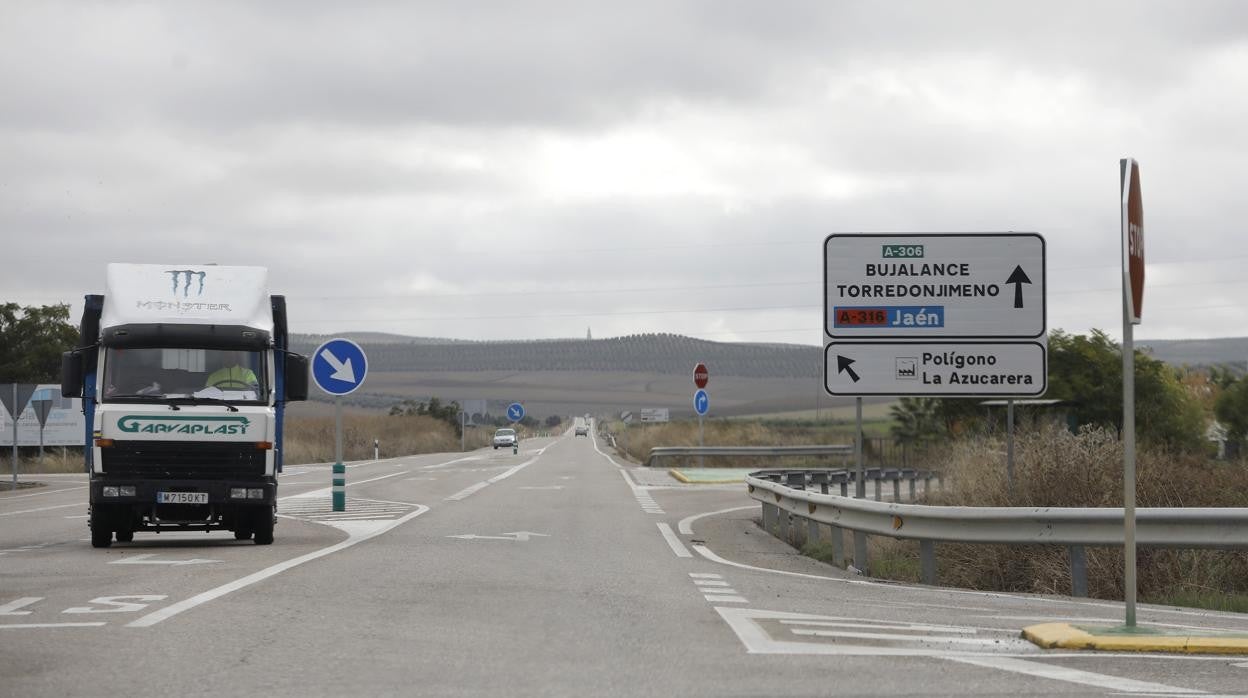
700	481
1066	636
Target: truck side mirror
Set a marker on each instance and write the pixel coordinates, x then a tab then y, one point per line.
71	374
296	378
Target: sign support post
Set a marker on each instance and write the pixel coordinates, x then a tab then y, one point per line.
1009	445
1132	299
16	411
340	470
860	488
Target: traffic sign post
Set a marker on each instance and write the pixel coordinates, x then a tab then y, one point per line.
338	368
14	401
948	314
1132	224
701	405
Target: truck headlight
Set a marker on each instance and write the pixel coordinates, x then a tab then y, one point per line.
111	492
127	490
238	493
255	493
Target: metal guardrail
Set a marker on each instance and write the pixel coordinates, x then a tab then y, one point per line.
771	451
785	494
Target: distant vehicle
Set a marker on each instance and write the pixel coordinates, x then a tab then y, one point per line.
504	438
582	430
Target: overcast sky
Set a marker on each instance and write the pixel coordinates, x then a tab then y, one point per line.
519	170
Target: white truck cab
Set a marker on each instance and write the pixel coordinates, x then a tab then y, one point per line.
184	375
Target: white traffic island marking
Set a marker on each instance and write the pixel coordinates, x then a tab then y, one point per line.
521	536
778	632
146	559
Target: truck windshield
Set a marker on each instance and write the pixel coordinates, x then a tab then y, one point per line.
144	375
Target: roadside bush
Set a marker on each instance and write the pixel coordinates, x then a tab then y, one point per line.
311	439
1054	467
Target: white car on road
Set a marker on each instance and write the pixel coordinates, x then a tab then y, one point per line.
506	438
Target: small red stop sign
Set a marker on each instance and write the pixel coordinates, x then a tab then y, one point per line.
700	375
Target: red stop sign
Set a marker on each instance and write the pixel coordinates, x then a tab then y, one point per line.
1133	236
700	375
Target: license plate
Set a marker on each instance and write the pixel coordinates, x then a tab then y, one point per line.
181	497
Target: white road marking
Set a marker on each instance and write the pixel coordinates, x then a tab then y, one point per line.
710	582
40	494
729	591
1085	619
643	497
522	536
450	462
725	599
31	511
686	524
473	489
146	559
10	609
79	516
1060	673
118	604
673	542
705	575
28	626
204	597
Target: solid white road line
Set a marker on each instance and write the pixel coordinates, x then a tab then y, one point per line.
26	626
40	494
686	524
202	598
1060	673
710	582
672	541
31	511
705	575
725	599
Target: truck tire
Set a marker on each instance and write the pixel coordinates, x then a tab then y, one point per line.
125	536
242	534
264	528
101	538
101	534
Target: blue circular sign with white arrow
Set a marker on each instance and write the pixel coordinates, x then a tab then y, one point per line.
339	366
515	412
701	402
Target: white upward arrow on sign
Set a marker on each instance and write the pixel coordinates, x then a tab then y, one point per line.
342	369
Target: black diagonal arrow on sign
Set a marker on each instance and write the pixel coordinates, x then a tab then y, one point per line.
1018	278
843	364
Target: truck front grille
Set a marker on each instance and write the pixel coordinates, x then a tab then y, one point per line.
182	459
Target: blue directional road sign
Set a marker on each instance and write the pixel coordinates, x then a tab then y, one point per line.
515	412
339	366
701	402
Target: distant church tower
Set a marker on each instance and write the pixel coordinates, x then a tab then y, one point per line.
588	335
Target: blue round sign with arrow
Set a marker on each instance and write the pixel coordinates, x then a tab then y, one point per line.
515	412
339	366
701	402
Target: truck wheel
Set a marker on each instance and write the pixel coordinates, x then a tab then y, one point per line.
242	534
125	536
101	538
264	528
101	534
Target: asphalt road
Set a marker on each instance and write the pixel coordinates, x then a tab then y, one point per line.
555	571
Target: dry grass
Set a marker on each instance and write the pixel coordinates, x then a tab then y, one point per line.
1056	468
635	441
311	439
